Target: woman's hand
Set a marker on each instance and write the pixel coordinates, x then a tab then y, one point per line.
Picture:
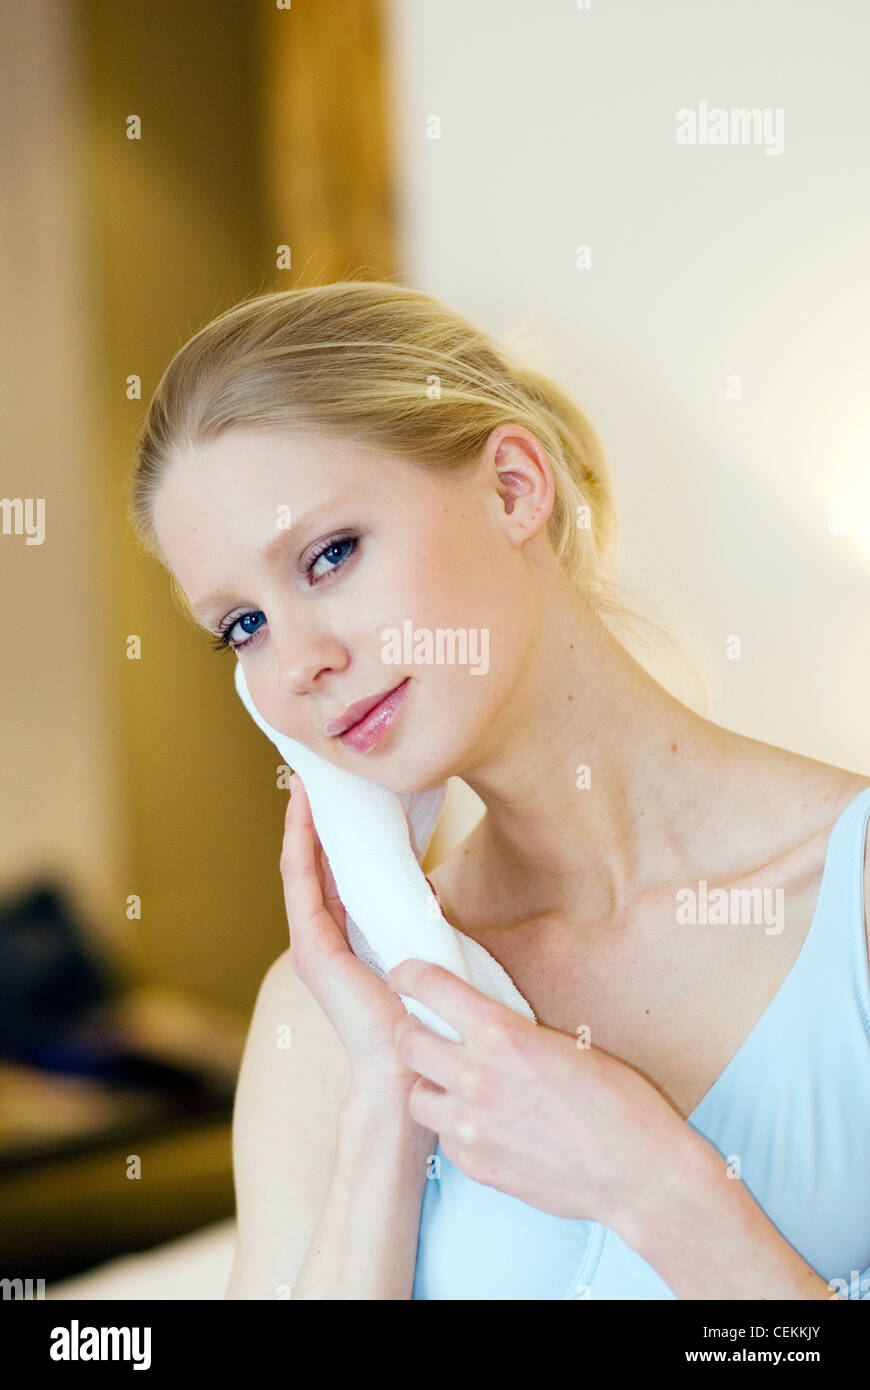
362	1008
524	1108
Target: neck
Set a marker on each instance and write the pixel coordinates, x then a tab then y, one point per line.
557	840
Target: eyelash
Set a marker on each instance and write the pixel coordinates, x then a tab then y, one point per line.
223	643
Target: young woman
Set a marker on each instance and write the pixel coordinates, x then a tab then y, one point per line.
690	1116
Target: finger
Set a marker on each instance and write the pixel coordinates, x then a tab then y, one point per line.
328	886
303	892
472	1014
431	1108
438	1059
330	889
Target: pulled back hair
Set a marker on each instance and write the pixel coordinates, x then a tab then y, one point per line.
394	368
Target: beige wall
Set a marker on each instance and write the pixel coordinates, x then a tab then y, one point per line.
557	130
63	781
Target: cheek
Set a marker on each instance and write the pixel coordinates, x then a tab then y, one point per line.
456	579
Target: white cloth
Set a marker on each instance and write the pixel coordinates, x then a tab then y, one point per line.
375	840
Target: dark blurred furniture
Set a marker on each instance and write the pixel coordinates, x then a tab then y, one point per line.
92	1075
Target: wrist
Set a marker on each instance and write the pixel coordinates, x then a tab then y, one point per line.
374	1105
706	1236
680	1182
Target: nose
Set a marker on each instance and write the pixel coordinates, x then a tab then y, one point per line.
304	656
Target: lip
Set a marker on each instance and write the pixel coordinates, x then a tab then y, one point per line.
360	732
355	712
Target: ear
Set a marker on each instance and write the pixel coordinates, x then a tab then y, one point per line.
523	478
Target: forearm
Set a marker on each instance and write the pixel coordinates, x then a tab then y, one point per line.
710	1239
365	1242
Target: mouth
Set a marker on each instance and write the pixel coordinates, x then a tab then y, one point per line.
366	723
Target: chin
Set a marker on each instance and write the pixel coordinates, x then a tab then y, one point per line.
412	775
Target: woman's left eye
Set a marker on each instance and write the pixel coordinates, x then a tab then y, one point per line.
224	642
332	546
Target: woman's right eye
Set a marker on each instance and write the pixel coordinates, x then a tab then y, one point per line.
348	544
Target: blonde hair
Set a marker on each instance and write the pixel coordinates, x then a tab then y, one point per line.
397	369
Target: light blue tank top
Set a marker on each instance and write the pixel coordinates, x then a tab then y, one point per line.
793	1104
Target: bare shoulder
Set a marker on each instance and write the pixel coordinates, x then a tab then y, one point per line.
823	789
839	792
291	1040
861	784
836	788
285	1002
800	799
866	877
293	1078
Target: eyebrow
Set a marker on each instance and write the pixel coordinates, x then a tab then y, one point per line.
269	553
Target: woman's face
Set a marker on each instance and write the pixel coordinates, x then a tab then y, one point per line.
312	552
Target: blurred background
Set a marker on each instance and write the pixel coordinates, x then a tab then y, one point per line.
707	305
